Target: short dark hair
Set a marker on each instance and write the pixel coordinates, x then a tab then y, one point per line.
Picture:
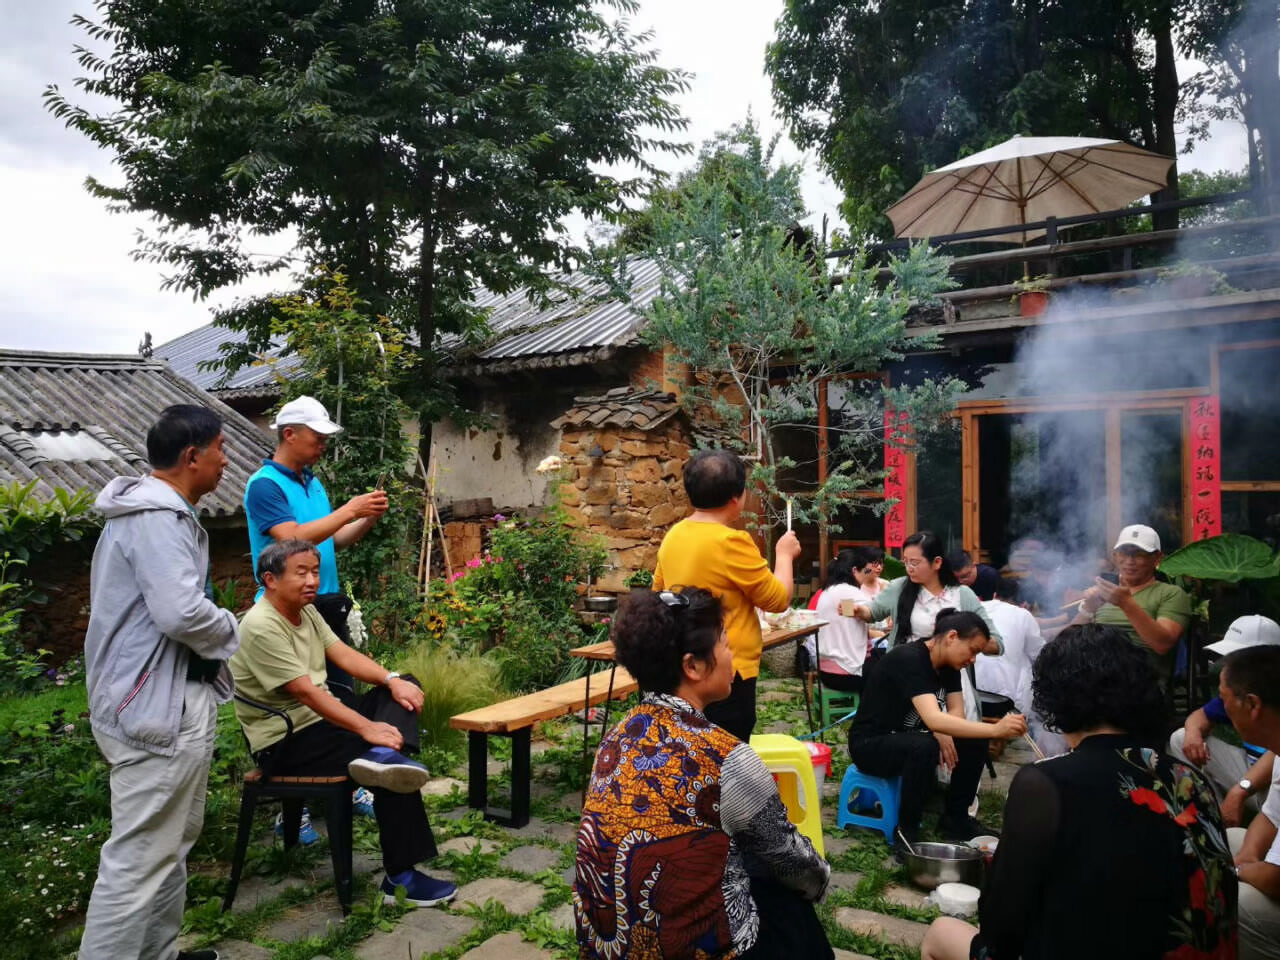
714	477
840	570
864	554
1254	670
1010	589
651	636
275	555
964	622
180	426
1092	675
960	560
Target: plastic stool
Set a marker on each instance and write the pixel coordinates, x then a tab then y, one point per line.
846	701
792	767
866	791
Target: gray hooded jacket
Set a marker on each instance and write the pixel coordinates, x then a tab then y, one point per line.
148	611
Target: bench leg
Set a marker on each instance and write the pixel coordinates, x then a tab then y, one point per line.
521	775
477	770
586	729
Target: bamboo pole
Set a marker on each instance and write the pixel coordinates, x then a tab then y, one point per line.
428	516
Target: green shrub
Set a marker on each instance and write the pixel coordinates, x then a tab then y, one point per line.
451	683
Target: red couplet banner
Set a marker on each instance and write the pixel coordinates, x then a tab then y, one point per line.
1206	468
895	478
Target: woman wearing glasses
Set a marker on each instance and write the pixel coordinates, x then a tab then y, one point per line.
685	847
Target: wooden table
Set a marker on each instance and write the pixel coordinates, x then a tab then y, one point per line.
603	652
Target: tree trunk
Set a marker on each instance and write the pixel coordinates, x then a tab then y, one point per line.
1165	106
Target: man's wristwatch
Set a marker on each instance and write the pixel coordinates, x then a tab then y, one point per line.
389	677
1247	786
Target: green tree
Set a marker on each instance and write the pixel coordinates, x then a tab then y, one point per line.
425	147
887	92
358	365
745	301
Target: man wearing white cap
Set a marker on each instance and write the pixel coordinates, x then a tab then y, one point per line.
1240	775
1152	613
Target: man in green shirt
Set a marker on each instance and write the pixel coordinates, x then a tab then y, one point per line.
1152	613
285	647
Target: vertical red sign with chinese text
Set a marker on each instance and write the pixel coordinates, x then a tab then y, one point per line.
1206	468
895	479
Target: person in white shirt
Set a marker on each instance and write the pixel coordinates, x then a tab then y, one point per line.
842	643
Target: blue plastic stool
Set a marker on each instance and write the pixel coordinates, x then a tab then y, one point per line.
866	790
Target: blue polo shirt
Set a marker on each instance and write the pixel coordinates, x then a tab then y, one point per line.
274	495
1217	713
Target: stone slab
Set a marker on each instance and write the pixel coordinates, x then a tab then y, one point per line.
845	880
259	890
531	859
464	845
442	787
565	831
506	946
562	916
777	696
850	955
905	933
313	919
419	933
835	844
517	896
244	951
905	896
570	876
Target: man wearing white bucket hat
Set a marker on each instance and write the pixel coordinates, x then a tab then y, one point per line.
1240	775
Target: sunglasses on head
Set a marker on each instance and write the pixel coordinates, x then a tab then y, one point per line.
672	599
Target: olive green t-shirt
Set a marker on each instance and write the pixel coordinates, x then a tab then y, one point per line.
274	652
1160	600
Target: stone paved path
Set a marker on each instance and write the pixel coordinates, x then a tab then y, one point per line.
514	885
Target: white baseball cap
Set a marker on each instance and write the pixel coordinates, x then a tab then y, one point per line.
1142	537
1251	631
306	412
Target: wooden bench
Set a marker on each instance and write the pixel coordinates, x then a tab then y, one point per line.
515	718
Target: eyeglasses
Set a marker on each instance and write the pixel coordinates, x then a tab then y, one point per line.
672	599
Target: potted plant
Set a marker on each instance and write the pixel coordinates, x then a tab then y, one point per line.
639	580
1033	295
1186	280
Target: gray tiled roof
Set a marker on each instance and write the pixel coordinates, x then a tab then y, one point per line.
574	328
75	421
187	352
621	407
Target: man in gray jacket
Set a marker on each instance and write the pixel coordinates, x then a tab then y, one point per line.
155	660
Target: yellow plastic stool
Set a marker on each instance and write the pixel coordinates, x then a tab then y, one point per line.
789	761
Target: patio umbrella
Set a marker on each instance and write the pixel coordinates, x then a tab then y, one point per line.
1026	179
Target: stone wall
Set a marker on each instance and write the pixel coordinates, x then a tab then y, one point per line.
629	492
63	573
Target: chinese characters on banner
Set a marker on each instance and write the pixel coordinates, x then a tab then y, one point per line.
895	480
1206	468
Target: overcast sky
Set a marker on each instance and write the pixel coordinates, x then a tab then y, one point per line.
67	281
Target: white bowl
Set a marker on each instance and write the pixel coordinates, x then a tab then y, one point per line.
957	899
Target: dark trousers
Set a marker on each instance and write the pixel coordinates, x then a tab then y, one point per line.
324	749
334	609
844	682
736	712
789	925
914	757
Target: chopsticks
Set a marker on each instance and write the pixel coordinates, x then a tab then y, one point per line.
1073	603
1034	746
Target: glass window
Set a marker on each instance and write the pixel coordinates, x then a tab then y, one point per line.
1250	413
1151	472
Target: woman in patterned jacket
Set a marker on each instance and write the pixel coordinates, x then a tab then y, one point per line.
685	849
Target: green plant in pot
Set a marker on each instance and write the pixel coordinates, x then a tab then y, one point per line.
1241	574
1033	295
639	580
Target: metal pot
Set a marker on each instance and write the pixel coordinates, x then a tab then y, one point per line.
935	863
600	604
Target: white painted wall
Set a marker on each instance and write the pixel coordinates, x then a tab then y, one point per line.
494	462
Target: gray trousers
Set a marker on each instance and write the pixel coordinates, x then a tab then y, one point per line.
1259	914
1227	766
157	810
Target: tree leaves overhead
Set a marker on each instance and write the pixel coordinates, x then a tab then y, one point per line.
888	91
426	147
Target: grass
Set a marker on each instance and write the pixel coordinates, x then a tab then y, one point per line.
17	712
451	683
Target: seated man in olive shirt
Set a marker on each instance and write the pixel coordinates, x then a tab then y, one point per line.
285	646
1153	614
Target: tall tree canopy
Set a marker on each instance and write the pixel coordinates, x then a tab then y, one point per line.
887	91
423	146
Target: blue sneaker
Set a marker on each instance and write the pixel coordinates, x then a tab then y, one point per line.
306	832
420	890
387	768
362	803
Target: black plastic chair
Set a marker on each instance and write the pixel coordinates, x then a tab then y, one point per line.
293	791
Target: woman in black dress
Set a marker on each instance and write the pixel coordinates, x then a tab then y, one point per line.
1113	850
